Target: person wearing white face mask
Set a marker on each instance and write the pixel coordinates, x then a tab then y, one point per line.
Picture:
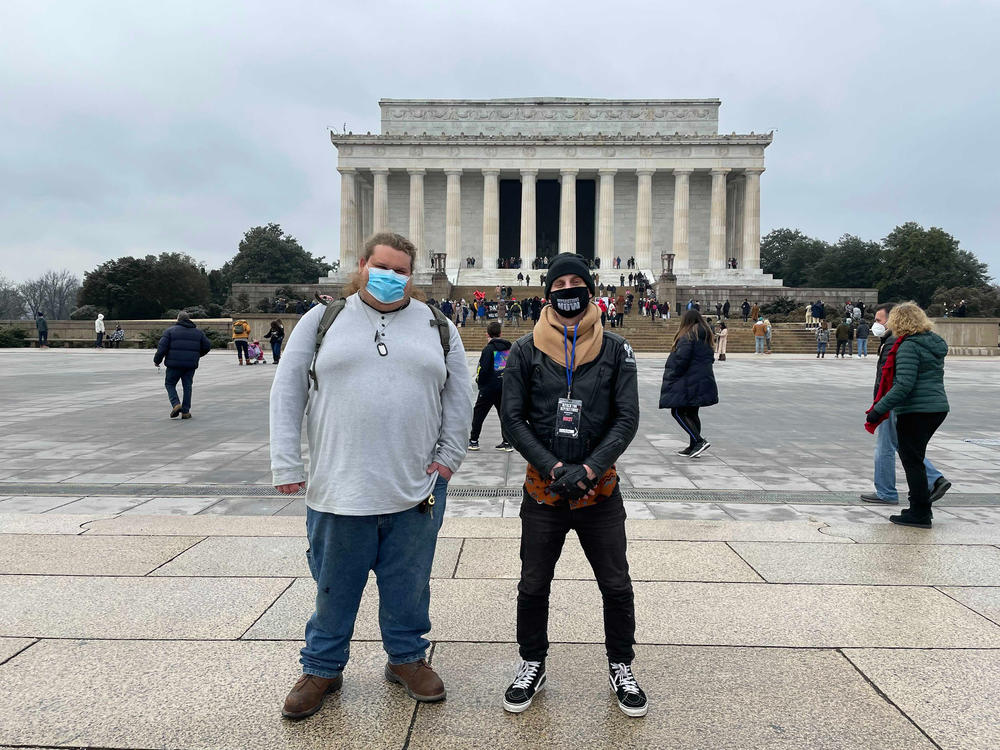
387	398
886	439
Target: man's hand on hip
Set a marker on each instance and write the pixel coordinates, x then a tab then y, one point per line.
290	489
443	471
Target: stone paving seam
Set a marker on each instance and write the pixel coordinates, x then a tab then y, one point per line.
747	562
458	558
985	617
417	704
267	609
165	562
887	699
19	652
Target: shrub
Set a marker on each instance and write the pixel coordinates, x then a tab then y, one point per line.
216	338
287	292
13	338
781	306
264	305
214	310
149	339
169	315
86	312
196	311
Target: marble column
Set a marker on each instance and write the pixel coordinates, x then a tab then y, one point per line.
491	218
682	214
361	195
751	220
567	211
381	177
416	235
453	218
606	218
717	221
348	220
528	177
644	221
730	221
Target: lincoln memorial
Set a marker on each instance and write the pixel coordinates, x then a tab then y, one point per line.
528	178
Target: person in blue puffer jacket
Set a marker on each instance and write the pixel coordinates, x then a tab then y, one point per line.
182	346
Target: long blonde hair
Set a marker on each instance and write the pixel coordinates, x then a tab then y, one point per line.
908	318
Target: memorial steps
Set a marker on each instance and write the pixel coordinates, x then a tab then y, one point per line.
645	335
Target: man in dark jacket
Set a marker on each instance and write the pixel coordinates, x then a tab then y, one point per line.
725	310
745	307
42	326
886	439
182	346
571	406
489	380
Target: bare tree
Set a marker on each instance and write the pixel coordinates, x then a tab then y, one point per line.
11	304
54	293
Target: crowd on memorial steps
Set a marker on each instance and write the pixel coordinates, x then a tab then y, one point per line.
383	368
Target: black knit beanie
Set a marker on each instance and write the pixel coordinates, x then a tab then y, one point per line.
567	263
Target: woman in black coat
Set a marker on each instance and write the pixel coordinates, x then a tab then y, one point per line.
688	382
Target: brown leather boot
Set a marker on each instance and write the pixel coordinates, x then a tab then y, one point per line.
307	697
420	680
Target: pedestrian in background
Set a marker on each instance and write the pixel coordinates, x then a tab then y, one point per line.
759	336
886	438
489	381
843	329
912	385
276	334
99	330
822	339
862	333
767	334
721	340
688	380
241	340
42	326
181	348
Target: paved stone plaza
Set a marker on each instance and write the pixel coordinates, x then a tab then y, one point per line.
154	590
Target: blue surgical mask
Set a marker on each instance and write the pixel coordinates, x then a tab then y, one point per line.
386	286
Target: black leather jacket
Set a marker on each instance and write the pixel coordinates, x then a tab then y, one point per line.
608	386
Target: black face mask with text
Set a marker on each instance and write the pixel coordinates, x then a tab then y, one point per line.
571	301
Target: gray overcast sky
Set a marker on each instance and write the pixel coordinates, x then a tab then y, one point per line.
134	127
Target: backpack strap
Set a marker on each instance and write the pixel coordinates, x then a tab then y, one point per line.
333	309
440	321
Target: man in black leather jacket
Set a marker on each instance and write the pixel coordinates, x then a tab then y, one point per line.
571	407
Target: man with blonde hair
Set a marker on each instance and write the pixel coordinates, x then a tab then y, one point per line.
387	419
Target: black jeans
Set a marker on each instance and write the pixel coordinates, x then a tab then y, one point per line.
484	402
914	431
841	347
186	376
601	530
99	343
241	349
43	338
687	417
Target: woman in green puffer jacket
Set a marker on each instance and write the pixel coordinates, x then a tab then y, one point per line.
917	395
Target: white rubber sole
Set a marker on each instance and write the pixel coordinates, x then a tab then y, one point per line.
635	713
517	708
701	450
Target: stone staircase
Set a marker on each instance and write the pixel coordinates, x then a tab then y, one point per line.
646	335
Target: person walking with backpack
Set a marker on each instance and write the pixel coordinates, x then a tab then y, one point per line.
489	380
241	339
688	380
571	407
382	383
181	348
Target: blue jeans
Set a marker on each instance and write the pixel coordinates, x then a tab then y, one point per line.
821	347
759	343
186	376
886	445
276	351
399	547
863	347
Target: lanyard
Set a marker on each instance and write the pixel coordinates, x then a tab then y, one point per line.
570	363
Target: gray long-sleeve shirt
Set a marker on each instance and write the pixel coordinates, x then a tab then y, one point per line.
375	423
